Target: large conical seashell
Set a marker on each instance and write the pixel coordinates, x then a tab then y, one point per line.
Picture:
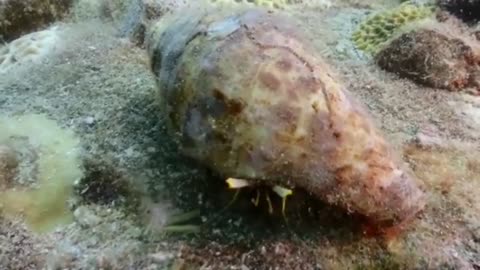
246	95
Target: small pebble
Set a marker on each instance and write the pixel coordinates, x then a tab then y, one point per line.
86	217
428	136
160	257
89	120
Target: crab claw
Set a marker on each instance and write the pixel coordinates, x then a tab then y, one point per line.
173	226
283	193
236	183
270	206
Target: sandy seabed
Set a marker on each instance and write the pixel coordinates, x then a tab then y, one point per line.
101	87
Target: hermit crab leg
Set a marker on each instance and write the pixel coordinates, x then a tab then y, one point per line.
283	193
257	199
238	184
181	229
179	218
270	207
175	219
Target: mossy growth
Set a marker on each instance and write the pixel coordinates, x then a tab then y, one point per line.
42	195
378	29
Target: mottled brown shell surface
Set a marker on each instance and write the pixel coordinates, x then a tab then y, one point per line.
246	95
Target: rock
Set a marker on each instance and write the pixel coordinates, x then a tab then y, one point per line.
90	9
428	136
30	48
466	10
141	13
160	257
86	217
89	120
433	57
18	18
154	9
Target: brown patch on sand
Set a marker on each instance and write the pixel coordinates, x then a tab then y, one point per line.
451	176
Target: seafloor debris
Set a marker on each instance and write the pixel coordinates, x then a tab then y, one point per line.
139	14
18	18
246	95
434	56
466	10
8	166
163	218
276	4
32	47
41	196
380	27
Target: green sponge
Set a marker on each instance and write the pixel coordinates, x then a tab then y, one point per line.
379	28
57	167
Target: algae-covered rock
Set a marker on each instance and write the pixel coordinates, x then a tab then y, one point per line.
22	17
434	57
246	95
30	48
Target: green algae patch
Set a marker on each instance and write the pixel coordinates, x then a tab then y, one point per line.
40	196
379	28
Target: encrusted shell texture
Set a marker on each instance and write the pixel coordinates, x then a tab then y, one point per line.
246	95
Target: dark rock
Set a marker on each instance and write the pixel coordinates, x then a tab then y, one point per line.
141	13
467	10
21	17
432	58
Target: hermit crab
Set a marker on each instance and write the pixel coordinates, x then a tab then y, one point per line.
245	93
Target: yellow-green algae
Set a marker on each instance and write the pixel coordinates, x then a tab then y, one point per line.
58	167
379	28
